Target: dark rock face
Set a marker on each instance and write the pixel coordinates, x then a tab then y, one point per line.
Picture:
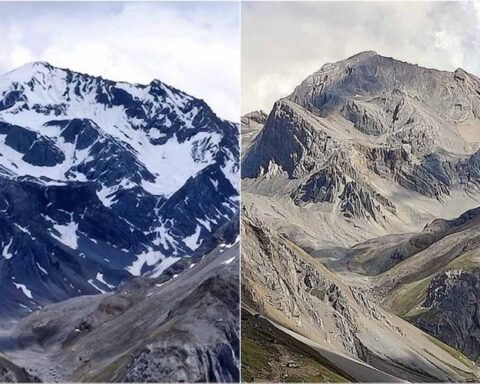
175	364
105	183
321	186
11	373
287	140
451	311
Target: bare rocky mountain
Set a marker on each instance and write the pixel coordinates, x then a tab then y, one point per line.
366	177
376	139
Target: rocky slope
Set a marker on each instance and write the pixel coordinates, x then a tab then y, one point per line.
102	180
11	373
430	278
149	330
285	284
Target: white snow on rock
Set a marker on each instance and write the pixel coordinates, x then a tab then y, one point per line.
67	234
193	241
226	262
6	250
151	258
42	269
174	163
100	278
92	283
167	262
24	290
106	196
187	158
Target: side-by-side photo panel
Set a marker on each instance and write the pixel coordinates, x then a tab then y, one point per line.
360	192
119	192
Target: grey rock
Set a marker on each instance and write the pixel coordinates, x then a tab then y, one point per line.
452	311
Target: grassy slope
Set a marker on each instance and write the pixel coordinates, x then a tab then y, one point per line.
268	354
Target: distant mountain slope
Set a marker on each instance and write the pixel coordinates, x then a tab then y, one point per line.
149	330
103	180
431	278
251	124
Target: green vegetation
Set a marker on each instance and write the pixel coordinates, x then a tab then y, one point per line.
407	299
111	372
453	352
469	261
319	293
269	354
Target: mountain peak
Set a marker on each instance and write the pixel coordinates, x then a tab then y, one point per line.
40	63
34	66
364	55
27	71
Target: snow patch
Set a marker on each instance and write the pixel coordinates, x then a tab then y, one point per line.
68	234
24	290
42	269
100	278
92	283
6	250
165	264
192	241
226	262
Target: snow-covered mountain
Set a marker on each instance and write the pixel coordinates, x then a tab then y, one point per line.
101	180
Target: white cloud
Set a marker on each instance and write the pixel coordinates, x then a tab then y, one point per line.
282	43
193	46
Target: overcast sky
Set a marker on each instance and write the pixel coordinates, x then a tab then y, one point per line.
282	43
192	46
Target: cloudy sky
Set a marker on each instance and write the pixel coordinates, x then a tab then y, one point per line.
192	46
282	43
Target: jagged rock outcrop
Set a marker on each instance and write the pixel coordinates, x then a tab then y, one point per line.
450	311
178	364
11	373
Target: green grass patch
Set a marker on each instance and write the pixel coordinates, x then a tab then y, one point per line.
270	355
409	297
453	352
